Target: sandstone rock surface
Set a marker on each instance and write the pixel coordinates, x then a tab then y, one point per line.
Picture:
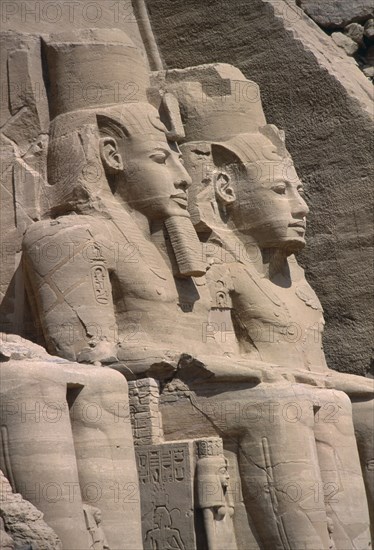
337	14
345	42
355	31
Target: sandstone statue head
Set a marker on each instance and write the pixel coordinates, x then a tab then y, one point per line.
143	168
109	151
258	191
106	139
243	177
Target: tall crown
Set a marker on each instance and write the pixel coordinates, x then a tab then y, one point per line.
211	447
90	68
216	101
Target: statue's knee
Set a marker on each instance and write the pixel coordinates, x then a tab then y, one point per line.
108	380
342	399
30	377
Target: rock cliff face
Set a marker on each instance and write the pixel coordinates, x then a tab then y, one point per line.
318	95
23	523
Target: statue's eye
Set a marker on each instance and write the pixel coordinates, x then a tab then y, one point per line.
301	191
160	158
279	188
181	160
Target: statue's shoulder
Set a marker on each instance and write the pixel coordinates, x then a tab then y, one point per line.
71	226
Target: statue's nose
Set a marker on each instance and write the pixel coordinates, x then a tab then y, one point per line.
183	180
183	184
299	206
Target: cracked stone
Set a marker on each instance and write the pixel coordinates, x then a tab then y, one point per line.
345	42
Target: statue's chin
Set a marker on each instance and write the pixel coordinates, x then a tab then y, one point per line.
293	246
288	247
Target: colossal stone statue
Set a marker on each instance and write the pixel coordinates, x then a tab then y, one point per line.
249	212
66	441
116	276
117	188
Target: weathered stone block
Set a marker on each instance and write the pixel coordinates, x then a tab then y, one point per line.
345	42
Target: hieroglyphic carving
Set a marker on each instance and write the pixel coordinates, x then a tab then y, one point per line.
99	281
166	489
163	533
167	463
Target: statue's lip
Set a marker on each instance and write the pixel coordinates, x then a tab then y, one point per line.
180	198
300	224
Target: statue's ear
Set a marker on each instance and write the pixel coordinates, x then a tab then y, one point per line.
110	155
224	189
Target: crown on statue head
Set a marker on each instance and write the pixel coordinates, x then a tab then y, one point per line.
216	101
211	447
90	68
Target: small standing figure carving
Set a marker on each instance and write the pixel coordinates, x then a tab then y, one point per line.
163	536
214	497
93	521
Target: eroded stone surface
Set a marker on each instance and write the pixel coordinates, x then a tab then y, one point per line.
356	32
349	45
23	523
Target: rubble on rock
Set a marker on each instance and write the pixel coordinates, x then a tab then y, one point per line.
23	522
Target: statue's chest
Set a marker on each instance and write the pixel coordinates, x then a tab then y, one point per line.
139	280
255	297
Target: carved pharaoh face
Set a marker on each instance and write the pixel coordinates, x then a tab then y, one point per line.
223	473
263	196
149	172
156	179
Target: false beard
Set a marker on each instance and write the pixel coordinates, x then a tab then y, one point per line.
187	248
